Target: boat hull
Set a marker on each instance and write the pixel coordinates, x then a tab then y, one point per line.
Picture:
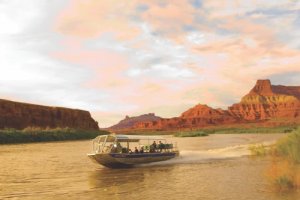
117	160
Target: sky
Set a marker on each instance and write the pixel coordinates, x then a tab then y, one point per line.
116	58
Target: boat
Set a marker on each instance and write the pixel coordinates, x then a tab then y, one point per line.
119	151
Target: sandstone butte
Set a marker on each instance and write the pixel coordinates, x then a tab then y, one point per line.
21	115
265	104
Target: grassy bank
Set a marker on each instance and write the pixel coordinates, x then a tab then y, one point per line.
9	136
213	130
284	171
190	134
254	129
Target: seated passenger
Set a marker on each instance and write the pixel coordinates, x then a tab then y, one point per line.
136	150
154	145
113	150
142	150
119	148
147	148
151	149
124	150
161	146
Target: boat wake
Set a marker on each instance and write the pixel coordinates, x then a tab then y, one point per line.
206	156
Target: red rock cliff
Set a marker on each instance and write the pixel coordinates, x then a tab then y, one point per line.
266	101
198	116
262	103
21	115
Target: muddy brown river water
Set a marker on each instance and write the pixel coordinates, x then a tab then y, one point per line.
209	168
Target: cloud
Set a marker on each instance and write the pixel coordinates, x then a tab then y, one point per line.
197	50
28	72
93	18
289	78
116	58
14	19
162	71
37	78
196	38
197	3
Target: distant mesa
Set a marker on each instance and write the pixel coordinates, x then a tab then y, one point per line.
21	115
265	103
130	122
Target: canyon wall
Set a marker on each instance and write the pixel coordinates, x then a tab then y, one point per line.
21	115
263	104
266	101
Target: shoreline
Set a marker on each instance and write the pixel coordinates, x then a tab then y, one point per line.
37	135
213	130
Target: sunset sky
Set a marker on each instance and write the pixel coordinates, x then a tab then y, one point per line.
129	57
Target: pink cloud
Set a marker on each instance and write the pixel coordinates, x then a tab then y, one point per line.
106	66
169	18
89	19
216	64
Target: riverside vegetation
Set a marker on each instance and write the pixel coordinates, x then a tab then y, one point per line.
35	134
214	130
191	134
284	171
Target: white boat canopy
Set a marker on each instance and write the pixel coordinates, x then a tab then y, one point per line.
131	138
127	138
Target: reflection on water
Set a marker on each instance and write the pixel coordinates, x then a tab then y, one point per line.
223	179
214	167
106	178
134	181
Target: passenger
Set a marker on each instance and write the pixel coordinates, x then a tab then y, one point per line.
124	150
151	149
113	148
119	147
146	148
142	150
161	146
154	145
136	150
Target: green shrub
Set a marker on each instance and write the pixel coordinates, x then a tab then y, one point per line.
284	183
289	146
191	134
34	134
258	150
254	129
284	171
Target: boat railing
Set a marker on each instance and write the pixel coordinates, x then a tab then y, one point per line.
102	144
166	147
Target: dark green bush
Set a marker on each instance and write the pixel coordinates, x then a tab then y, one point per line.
289	146
33	134
191	134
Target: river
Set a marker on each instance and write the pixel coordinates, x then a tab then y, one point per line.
209	168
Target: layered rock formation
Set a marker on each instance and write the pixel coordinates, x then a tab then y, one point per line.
129	122
203	115
265	102
21	115
200	115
